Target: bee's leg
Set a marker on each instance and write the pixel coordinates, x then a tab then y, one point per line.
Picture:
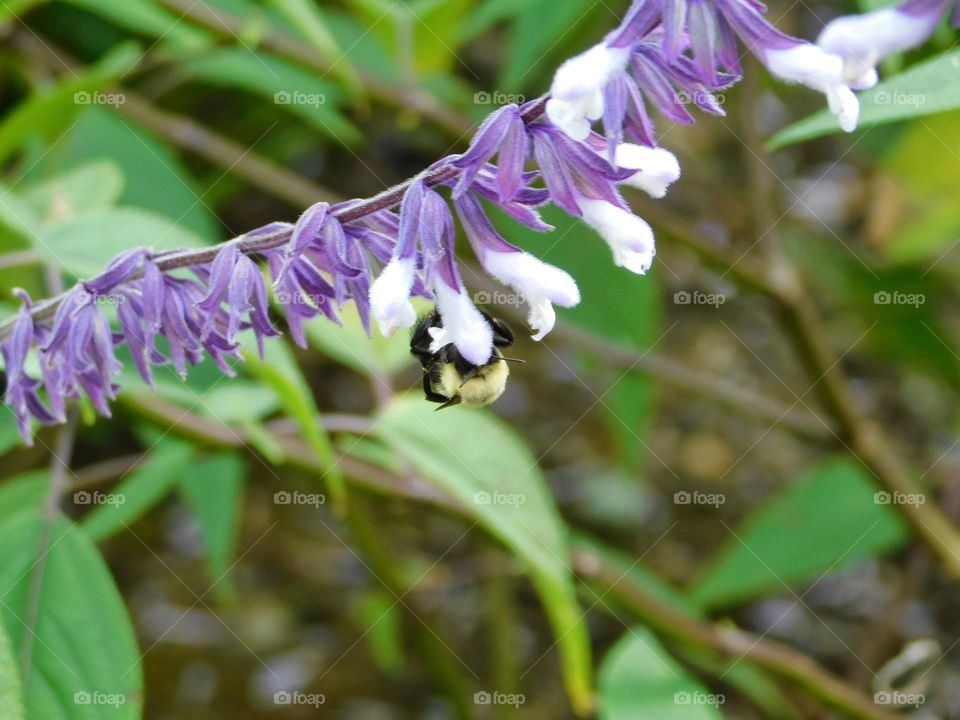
502	334
429	392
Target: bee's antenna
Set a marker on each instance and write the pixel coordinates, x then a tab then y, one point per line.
512	359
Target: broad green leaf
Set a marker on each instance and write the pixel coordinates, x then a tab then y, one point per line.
85	664
615	304
19	223
137	493
23	493
9	434
213	489
639	679
482	463
289	87
85	245
10	9
11	690
52	111
926	88
306	17
94	186
829	518
146	17
349	344
487	13
155	177
280	372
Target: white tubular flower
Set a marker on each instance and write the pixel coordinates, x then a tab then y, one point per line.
811	66
463	325
629	237
577	90
390	296
864	40
656	168
542	285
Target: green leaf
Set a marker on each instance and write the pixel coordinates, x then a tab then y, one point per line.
19	223
287	86
156	178
482	463
280	372
349	345
9	434
926	88
85	245
639	679
23	493
85	664
11	691
11	9
137	493
213	489
829	518
148	18
51	111
306	17
90	187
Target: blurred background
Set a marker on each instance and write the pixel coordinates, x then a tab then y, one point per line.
739	452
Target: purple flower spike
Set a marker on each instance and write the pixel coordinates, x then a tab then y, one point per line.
502	132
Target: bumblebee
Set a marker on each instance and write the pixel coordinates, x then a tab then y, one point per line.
448	378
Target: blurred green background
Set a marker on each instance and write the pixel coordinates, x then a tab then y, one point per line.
673	492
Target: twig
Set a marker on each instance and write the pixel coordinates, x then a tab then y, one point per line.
731	643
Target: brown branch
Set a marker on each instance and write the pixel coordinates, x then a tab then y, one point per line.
731	643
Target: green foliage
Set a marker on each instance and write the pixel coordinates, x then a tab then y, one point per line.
483	464
926	88
84	659
11	690
828	519
639	679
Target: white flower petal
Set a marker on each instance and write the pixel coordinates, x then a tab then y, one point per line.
864	40
629	237
390	297
539	283
577	89
811	66
463	325
656	168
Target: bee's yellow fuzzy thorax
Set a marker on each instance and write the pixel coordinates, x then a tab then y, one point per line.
482	389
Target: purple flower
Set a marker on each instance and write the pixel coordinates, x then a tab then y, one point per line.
503	134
